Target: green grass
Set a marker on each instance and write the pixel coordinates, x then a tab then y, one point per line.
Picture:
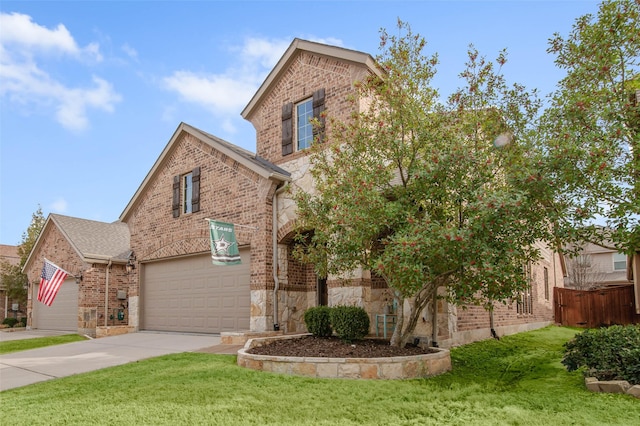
515	381
40	342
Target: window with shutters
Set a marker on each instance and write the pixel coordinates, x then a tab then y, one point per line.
186	193
304	127
298	132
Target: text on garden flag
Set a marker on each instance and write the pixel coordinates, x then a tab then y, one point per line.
51	279
224	246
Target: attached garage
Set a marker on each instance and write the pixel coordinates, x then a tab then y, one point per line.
190	294
62	314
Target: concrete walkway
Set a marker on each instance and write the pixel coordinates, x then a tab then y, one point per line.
37	365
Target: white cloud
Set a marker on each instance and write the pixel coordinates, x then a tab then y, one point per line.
218	93
24	47
20	30
266	52
71	111
59	206
226	94
130	51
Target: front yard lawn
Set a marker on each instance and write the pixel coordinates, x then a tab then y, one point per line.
39	342
515	381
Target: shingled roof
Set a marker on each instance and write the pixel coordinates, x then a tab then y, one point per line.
93	239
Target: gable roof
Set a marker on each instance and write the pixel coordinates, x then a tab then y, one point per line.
247	158
298	45
93	241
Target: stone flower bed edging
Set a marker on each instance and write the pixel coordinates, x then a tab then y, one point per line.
402	367
612	386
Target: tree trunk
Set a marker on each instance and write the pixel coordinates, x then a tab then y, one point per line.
402	334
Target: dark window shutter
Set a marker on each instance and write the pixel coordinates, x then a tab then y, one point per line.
176	196
287	129
318	108
195	187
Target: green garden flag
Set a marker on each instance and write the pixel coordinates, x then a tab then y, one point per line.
224	247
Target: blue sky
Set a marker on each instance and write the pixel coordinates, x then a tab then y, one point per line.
91	92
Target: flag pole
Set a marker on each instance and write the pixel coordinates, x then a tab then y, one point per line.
255	228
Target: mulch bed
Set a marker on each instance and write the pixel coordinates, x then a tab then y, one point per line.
333	347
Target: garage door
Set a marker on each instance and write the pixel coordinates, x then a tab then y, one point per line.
191	294
62	314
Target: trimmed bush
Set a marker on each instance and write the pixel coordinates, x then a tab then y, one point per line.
349	322
317	320
611	353
10	321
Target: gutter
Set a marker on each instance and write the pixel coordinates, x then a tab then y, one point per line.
274	236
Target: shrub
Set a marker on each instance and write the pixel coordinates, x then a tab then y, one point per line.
23	321
317	320
349	322
10	321
607	353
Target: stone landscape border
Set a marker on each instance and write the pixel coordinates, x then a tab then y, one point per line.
400	367
612	386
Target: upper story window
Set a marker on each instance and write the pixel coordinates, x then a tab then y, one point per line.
304	128
186	193
619	262
300	117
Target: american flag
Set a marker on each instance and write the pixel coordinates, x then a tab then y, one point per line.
51	279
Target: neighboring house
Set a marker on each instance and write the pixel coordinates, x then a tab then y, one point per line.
95	256
163	235
8	254
597	266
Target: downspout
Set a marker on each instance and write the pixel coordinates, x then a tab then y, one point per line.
106	295
274	231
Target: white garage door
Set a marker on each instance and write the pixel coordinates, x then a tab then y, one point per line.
62	314
191	294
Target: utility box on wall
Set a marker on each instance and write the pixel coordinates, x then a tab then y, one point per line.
122	294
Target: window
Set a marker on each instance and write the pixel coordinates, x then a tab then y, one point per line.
186	193
546	283
619	262
304	128
524	305
298	119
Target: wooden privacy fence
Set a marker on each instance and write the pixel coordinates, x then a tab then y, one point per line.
595	308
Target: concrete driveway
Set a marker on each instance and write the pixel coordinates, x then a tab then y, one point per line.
37	365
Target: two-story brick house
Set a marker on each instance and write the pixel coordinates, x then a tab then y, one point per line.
171	284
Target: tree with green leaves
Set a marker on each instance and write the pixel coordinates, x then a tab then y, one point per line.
13	280
591	129
427	194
